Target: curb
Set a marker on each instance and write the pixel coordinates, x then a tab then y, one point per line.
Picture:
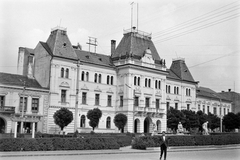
123	150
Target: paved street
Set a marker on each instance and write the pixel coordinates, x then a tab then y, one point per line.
228	154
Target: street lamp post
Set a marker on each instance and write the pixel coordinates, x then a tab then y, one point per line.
77	91
23	105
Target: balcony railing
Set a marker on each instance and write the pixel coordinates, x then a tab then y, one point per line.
149	110
7	109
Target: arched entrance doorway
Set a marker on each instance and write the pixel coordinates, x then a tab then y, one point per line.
136	126
147	122
2	125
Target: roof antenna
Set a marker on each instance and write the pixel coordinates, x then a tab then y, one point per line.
60	22
176	54
132	15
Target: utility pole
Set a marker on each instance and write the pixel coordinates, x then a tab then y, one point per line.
23	106
77	91
220	115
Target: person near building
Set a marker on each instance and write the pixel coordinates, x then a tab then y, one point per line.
163	146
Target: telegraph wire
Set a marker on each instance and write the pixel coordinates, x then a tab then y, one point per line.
183	27
196	18
196	29
214	59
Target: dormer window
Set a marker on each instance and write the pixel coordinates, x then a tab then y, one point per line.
64	44
100	59
87	57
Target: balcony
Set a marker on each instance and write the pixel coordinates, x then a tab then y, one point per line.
149	110
7	109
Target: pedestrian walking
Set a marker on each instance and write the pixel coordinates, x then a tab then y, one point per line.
163	146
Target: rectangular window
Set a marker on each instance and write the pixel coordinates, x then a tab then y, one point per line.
97	98
203	109
147	102
199	107
224	111
168	105
35	105
208	109
2	100
63	96
188	107
121	101
21	104
136	101
157	103
84	98
215	110
176	105
109	100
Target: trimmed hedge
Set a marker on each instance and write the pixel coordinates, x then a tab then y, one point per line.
46	144
188	140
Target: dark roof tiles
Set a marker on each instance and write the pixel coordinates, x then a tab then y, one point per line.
18	80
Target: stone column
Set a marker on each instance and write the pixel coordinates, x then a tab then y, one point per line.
15	130
33	130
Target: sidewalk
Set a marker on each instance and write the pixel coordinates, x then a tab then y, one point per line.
123	150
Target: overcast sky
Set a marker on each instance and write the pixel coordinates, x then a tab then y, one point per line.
204	32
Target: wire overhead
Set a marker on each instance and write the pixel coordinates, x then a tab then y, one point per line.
214	17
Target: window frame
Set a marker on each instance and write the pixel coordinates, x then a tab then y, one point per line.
84	97
35	105
97	99
63	95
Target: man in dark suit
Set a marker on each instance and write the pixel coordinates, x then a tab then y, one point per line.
163	145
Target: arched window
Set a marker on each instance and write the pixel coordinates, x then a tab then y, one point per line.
108	122
146	82
82	78
82	122
62	72
169	89
189	92
156	83
108	78
175	90
111	80
99	78
135	80
186	92
159	84
149	82
87	76
67	73
95	78
138	81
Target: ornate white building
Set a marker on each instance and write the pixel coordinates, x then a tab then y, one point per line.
133	80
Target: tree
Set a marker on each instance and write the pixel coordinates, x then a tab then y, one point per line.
213	121
231	121
191	119
120	121
94	115
174	116
63	117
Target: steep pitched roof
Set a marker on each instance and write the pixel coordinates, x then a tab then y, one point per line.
180	69
207	92
172	75
94	58
18	80
132	44
60	45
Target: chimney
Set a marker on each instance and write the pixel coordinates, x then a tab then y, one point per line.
113	47
229	90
